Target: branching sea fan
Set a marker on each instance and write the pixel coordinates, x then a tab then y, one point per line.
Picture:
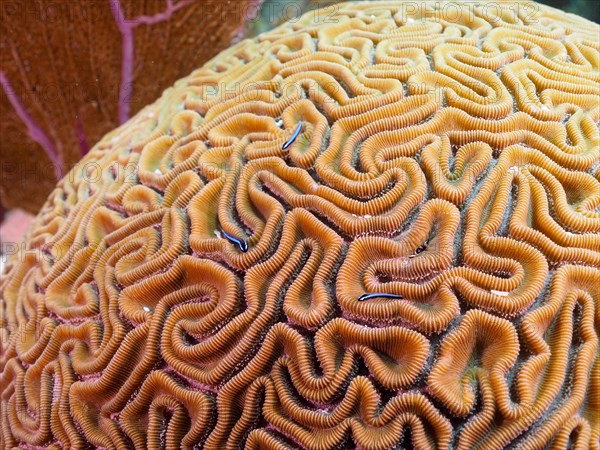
375	227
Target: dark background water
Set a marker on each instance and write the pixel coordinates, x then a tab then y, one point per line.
590	9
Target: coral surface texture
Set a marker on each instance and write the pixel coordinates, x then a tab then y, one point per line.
374	227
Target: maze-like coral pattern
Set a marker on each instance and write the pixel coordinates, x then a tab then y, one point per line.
376	227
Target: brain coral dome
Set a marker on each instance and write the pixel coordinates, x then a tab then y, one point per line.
374	227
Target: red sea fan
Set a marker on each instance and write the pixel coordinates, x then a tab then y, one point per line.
72	71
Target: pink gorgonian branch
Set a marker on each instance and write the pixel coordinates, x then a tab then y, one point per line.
34	129
126	27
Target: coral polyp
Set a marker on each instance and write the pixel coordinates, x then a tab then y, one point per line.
376	227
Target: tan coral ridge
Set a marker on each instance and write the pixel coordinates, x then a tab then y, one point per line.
373	226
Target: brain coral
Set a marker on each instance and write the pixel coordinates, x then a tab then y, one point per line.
377	226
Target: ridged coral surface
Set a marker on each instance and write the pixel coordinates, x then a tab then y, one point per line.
375	227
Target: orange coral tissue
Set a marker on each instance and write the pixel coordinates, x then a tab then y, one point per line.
375	227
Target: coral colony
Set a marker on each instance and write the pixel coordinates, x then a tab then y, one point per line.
375	227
